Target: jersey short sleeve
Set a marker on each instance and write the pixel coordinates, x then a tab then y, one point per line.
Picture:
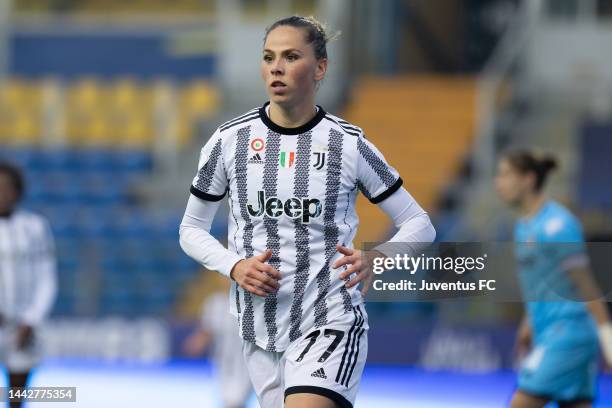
376	179
210	182
564	237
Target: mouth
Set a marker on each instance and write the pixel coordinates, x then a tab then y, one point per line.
278	85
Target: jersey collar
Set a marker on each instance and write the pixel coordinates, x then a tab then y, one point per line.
291	131
538	215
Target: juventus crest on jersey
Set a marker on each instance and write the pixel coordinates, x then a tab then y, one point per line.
293	191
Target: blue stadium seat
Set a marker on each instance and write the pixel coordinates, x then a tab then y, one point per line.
133	161
133	224
36	193
22	157
95	160
52	160
102	190
66	226
85	195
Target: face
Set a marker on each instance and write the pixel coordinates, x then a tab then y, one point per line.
512	185
289	67
8	195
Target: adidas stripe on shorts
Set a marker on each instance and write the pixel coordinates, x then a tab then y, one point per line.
327	361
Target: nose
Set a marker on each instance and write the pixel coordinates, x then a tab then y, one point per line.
277	68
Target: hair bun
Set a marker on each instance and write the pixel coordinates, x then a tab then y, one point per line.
530	161
548	163
316	32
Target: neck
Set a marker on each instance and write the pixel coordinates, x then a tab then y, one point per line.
531	205
293	116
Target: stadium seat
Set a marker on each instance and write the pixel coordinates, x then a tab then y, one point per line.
133	161
84	191
94	160
434	118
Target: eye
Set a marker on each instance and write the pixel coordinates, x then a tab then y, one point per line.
267	58
292	57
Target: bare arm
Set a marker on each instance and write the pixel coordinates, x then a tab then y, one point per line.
590	293
582	277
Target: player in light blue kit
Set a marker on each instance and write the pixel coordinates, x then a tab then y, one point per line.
560	331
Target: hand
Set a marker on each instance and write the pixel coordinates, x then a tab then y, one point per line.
25	336
358	266
523	340
256	276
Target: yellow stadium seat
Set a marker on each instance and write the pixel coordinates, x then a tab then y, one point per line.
197	101
86	94
124	93
26	129
137	133
6	119
200	99
130	113
20	111
13	92
97	132
83	104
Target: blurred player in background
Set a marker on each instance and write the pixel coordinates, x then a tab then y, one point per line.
28	281
293	173
218	327
561	336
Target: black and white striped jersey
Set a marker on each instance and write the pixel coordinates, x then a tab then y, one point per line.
28	281
293	191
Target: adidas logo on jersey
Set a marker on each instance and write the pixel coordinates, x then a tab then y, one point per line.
320	373
256	159
273	207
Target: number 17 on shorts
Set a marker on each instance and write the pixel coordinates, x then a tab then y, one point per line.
329	361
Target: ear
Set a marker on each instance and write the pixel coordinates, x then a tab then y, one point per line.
530	180
320	69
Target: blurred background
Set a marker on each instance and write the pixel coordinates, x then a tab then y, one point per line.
105	105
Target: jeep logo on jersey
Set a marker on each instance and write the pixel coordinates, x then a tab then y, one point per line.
273	207
286	159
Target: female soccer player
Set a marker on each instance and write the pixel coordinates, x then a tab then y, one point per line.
554	274
28	279
293	172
